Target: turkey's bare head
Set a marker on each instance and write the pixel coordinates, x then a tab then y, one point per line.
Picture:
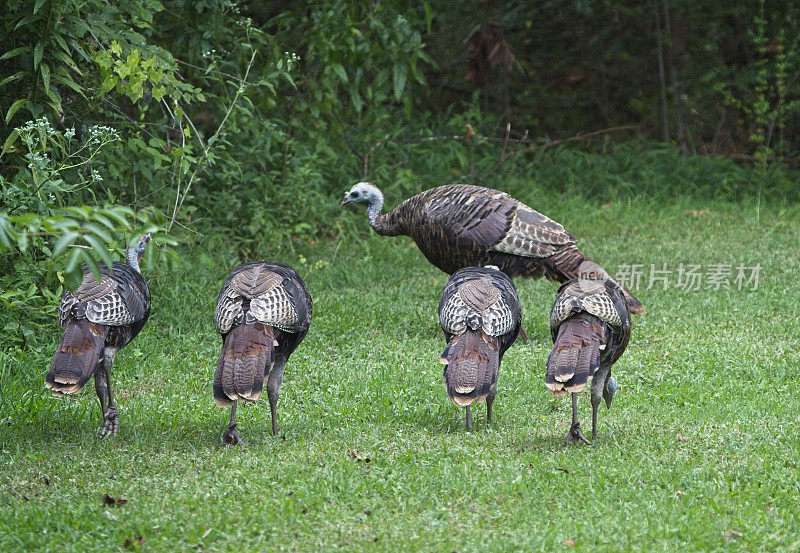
367	194
134	255
140	247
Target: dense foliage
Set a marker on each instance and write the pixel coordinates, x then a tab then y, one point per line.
241	122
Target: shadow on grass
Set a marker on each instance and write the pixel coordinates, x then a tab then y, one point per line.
60	430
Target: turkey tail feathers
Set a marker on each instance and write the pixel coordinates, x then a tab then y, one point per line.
576	354
471	365
76	357
248	352
635	307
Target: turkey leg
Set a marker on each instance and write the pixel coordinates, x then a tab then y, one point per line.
489	402
231	436
600	389
101	387
575	435
111	415
274	389
610	390
469	419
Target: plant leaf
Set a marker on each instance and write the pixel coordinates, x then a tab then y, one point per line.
9	141
119	214
98	231
62	56
67	239
73	262
66	81
13	77
99	248
6	233
399	74
15	107
15	52
61	42
428	16
339	70
45	71
26	20
94	267
38	51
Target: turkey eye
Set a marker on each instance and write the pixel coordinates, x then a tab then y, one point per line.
355	194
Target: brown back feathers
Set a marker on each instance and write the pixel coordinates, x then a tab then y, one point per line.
480	315
472	361
248	353
576	354
263	312
95	315
460	225
590	324
76	357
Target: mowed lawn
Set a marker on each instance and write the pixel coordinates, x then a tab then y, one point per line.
700	452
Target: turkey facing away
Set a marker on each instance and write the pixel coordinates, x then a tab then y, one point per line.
98	318
590	325
461	225
263	313
480	315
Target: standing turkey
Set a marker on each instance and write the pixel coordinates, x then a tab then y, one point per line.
590	324
98	318
480	315
263	313
460	225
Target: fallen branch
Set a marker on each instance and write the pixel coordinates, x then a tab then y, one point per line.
748	157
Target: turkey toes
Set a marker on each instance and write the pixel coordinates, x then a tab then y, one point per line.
110	423
231	436
575	436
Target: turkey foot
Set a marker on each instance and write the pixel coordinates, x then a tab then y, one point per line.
231	436
110	423
576	436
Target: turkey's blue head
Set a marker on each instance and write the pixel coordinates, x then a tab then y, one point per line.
140	247
135	254
367	194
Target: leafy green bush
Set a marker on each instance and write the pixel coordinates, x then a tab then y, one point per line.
46	235
117	135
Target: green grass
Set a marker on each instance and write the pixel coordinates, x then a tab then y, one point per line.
700	452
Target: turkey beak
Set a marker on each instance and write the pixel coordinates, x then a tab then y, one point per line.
344	201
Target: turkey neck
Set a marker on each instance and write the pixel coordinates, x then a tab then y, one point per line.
387	224
133	259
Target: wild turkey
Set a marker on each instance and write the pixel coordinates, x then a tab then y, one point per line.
590	324
461	225
263	313
98	318
480	315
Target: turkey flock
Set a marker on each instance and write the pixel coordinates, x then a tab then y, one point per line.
481	237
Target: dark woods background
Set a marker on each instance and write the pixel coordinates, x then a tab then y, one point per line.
219	122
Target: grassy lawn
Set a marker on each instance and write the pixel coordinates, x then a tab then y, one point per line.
700	452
